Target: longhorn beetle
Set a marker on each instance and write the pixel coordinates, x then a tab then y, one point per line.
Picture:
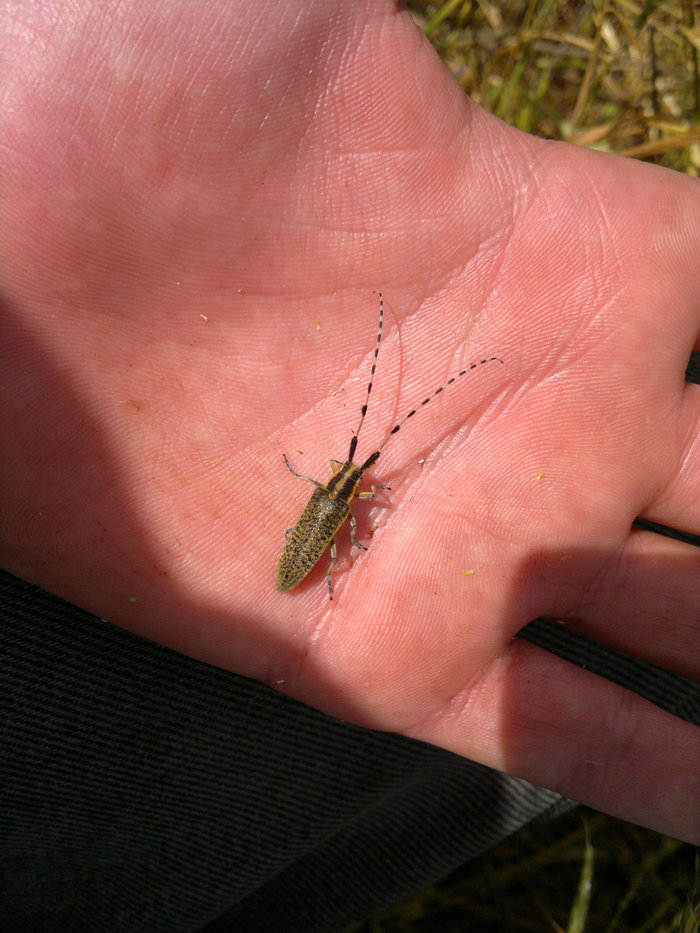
329	505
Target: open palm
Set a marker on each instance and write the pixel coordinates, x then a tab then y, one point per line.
195	218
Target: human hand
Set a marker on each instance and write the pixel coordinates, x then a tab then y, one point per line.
196	210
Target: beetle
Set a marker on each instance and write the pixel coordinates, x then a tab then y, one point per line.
329	505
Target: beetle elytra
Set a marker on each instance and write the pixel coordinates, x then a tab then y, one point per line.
329	505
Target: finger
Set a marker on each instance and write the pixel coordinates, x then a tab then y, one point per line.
540	718
679	504
646	603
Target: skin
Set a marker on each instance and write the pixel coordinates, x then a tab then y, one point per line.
195	210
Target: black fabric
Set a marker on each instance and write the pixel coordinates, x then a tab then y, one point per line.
144	791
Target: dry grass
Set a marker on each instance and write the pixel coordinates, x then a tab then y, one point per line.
618	75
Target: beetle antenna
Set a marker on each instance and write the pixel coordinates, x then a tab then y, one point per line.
353	442
397	427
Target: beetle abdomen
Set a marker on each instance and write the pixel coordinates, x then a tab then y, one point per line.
316	528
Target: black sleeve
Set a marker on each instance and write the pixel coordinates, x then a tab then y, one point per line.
145	791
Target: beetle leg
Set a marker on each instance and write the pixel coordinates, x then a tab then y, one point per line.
353	526
369	494
299	475
329	577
